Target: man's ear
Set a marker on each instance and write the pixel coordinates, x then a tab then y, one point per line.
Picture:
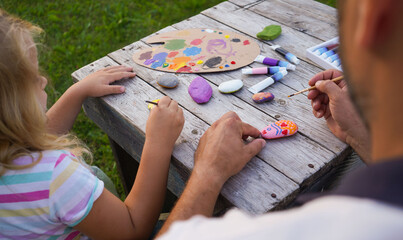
375	21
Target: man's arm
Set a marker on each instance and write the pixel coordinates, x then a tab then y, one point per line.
221	154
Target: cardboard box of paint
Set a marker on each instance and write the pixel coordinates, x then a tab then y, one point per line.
319	54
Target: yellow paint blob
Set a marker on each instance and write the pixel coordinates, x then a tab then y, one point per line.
200	62
226	36
151	106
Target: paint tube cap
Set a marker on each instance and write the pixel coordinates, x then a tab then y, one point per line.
291	67
294	60
247	71
284	72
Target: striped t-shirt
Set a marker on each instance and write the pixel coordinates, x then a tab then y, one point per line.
47	200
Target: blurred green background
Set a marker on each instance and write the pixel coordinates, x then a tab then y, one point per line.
80	32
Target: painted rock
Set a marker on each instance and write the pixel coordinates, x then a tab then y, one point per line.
230	86
168	81
279	129
270	32
262	97
151	106
200	90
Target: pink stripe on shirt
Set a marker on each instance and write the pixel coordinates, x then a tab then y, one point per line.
24	197
72	235
62	156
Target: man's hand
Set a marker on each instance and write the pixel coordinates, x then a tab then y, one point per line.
332	101
222	151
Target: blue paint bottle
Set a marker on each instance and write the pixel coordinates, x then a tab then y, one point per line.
267	82
289	56
333	58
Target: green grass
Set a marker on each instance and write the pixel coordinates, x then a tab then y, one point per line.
80	32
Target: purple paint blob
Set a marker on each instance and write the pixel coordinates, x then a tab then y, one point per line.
200	90
192	51
146	55
215	44
158	60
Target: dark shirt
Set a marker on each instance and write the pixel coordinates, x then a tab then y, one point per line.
382	182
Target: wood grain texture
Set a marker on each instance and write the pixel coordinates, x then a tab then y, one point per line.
251	23
308	16
293	164
297	109
245	3
274	177
123	118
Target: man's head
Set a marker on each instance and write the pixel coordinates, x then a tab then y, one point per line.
371	36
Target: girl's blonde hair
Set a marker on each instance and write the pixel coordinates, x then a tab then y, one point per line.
23	128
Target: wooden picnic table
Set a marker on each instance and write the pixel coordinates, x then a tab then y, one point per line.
285	167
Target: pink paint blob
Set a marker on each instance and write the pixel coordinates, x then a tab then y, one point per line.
196	42
184	69
172	54
246	42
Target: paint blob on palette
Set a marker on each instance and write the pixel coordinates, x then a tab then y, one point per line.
198	51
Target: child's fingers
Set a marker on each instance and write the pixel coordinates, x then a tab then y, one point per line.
120	69
174	105
120	75
114	89
164	101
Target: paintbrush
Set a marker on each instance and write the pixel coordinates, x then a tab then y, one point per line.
152	102
312	88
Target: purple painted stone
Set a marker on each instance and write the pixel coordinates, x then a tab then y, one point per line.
200	90
262	97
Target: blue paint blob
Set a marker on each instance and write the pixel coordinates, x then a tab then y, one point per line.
226	65
158	60
192	51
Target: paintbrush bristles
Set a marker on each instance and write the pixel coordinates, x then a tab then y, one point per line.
313	87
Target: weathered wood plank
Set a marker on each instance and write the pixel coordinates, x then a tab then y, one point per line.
293	164
123	117
245	3
297	108
251	23
307	16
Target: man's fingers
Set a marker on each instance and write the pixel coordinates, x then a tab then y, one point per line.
328	87
248	130
325	75
254	147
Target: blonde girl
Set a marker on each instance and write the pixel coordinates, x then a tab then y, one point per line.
45	190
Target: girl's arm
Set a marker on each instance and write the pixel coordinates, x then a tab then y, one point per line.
63	113
135	218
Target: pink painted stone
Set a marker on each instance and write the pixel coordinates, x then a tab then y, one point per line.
262	97
200	90
279	129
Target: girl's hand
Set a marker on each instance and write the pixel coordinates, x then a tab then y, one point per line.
165	123
98	83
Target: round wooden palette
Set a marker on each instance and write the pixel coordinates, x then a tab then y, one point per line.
198	51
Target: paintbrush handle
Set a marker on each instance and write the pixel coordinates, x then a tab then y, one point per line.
151	102
314	87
